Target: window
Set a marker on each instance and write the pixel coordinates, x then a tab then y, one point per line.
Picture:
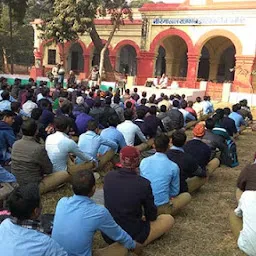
51	57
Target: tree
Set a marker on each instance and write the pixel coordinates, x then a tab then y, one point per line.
139	3
72	18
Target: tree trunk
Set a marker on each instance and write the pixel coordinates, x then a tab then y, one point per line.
5	61
99	46
103	51
11	39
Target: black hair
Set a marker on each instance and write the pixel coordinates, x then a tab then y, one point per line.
36	113
61	123
190	103
108	100
30	95
92	125
113	120
135	89
144	94
179	138
183	104
67	107
209	124
116	100
176	103
44	104
163	108
161	142
205	97
15	106
236	107
128	114
97	103
5	95
140	113
198	99
227	111
127	91
128	104
143	101
29	127
6	113
152	110
83	182
23	201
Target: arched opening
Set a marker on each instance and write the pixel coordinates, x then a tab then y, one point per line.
217	60
172	57
75	58
127	60
204	64
160	67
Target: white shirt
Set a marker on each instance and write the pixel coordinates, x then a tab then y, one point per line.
129	130
247	209
28	106
198	107
58	146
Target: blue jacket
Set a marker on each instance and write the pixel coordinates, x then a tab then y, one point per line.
7	138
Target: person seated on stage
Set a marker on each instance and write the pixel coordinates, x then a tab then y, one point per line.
165	102
155	81
245	111
89	142
243	224
163	83
228	123
200	151
112	134
198	107
207	105
142	106
190	109
217	143
192	176
246	179
130	130
176	116
152	122
7	137
164	176
174	85
59	146
239	121
128	196
188	117
30	161
77	219
166	120
22	234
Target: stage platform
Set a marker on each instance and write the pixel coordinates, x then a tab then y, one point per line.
191	94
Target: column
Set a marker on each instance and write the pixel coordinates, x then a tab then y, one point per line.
214	65
145	67
37	70
243	73
193	60
169	66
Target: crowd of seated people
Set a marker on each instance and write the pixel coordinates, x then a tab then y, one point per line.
48	138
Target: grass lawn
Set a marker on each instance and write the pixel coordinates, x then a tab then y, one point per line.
202	228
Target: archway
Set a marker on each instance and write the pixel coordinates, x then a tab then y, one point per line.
75	58
127	60
160	67
217	60
176	51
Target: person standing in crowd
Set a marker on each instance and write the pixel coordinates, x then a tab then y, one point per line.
61	73
94	76
127	194
22	234
164	176
55	74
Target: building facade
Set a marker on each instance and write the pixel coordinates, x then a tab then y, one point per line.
191	40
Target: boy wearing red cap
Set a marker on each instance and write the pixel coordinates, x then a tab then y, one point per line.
126	193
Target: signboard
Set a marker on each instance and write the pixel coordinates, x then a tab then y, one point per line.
199	21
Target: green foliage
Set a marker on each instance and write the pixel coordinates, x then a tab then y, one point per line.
139	3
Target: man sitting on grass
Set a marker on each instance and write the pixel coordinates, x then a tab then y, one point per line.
200	151
77	219
164	176
22	234
192	176
128	195
239	121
